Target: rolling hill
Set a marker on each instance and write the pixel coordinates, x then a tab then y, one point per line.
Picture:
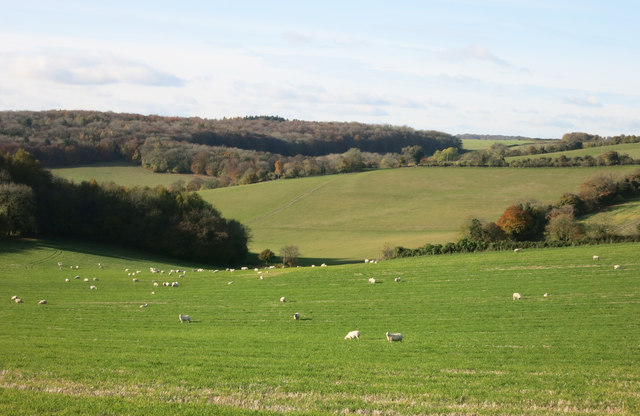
352	216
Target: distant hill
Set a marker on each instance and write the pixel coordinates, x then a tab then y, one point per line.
497	137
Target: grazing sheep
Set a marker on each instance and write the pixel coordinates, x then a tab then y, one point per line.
516	250
77	277
397	279
393	337
517	296
42	302
261	278
184	318
67	280
155	284
230	283
14	297
95	279
353	335
244	268
596	257
296	316
17	300
545	295
372	280
283	299
135	279
174	284
617	267
86	279
59	264
323	265
144	306
93	287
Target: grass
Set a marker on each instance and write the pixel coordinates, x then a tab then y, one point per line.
469	349
631	149
479	144
622	219
122	174
346	217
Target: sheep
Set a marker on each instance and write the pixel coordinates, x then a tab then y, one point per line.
184	318
67	280
14	297
353	335
77	277
283	299
596	257
93	287
18	300
516	250
323	265
95	279
617	267
42	302
174	284
261	277
517	296
230	283
397	279
155	284
144	306
86	279
372	280
296	316
244	268
393	337
135	279
59	264
545	295
366	260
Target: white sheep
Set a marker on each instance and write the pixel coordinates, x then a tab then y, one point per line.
93	287
283	299
67	280
372	280
353	335
17	300
95	279
14	297
516	250
596	257
144	306
184	318
135	279
155	284
42	302
366	260
174	284
393	337
545	295
86	279
296	316
230	283
323	265
397	279
617	267
77	277
517	296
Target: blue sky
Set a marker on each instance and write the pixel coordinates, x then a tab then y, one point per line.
519	67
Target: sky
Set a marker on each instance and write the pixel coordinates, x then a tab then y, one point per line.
518	67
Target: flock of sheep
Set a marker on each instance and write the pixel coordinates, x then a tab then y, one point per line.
391	337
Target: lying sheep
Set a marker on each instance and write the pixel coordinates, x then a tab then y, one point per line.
393	337
42	302
353	335
17	300
67	280
397	279
296	316
372	280
184	318
144	306
14	297
617	267
517	296
135	280
93	287
283	299
174	284
596	257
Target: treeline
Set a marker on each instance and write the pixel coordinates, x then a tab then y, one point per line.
74	137
178	224
530	224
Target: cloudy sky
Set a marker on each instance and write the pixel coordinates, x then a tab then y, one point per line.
513	67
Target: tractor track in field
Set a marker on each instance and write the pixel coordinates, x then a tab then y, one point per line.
289	203
54	254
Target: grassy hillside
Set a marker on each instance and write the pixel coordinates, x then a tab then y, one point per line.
622	219
478	144
352	216
468	348
121	174
632	149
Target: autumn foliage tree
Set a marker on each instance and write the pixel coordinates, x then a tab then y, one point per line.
515	221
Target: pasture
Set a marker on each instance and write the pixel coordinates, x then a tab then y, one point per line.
122	174
479	144
468	348
631	149
352	216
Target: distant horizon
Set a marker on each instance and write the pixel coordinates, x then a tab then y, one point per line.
536	69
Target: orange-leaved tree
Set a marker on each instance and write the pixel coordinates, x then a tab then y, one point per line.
516	221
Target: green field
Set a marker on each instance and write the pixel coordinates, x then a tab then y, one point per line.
468	348
479	144
127	175
622	219
631	149
346	217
